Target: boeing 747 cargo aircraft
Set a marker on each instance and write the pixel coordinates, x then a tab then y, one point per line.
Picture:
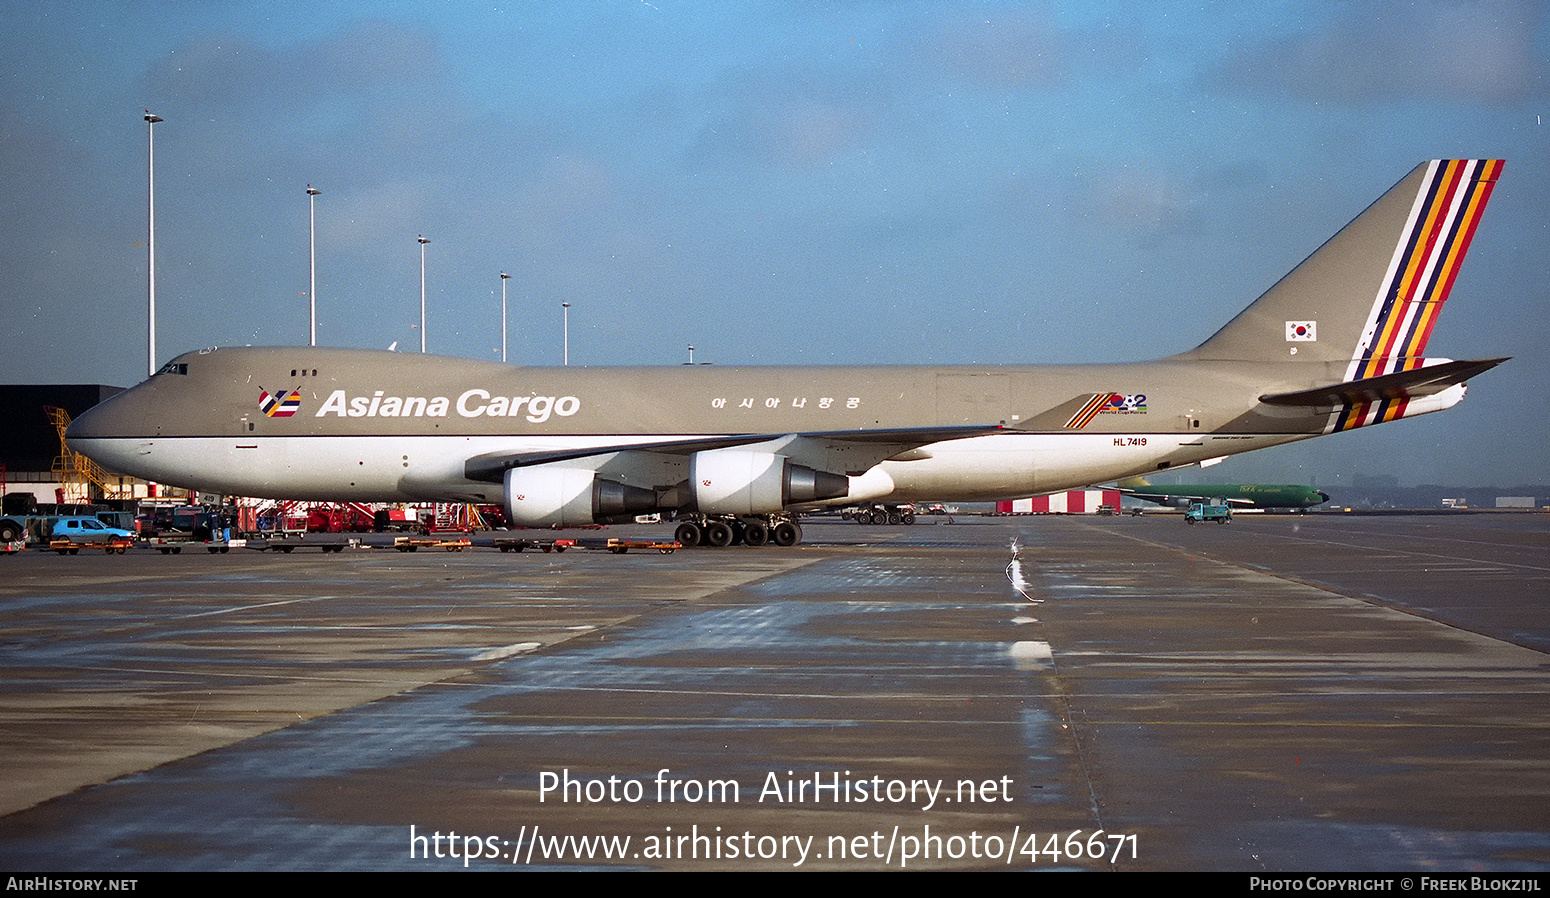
734	453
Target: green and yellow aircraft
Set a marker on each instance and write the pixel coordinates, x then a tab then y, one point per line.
1238	495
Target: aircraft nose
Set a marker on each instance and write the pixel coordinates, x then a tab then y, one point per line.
114	433
116	417
91	424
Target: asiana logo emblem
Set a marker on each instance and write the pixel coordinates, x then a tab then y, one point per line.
283	404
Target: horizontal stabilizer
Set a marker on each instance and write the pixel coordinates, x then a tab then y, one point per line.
1399	385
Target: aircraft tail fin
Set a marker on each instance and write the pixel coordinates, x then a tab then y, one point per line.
1371	294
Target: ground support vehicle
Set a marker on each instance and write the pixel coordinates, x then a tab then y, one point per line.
415	543
118	545
71	533
283	546
13	528
621	546
518	544
219	546
169	545
1203	512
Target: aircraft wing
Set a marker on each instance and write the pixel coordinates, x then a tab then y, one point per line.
1180	498
859	449
1399	385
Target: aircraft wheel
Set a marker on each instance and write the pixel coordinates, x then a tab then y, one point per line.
907	518
689	534
785	534
894	519
755	533
718	534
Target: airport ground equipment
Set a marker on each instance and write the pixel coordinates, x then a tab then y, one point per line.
415	543
1203	512
621	546
287	546
82	529
117	545
521	544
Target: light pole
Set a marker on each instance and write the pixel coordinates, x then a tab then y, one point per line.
312	262
423	240
150	242
504	278
565	345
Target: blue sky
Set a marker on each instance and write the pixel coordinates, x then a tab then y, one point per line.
773	182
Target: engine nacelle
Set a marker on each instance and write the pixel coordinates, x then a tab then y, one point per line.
742	481
553	496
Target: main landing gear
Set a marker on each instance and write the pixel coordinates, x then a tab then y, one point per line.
719	532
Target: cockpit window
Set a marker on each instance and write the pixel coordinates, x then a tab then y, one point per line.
174	368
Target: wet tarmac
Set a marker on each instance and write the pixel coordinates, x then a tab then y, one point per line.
1279	694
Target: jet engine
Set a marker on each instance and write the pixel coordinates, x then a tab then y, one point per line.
742	481
551	496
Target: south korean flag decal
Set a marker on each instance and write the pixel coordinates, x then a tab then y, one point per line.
1301	331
